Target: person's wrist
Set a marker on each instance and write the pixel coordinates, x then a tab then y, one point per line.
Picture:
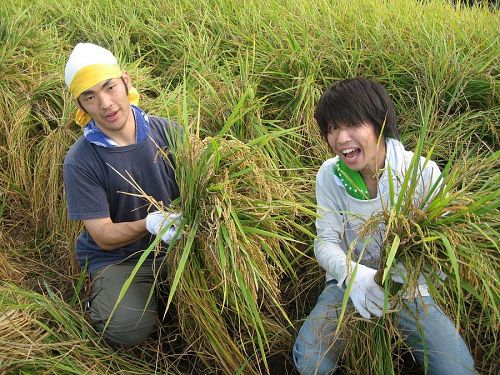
143	226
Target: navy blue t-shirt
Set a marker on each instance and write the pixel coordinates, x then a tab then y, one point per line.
94	188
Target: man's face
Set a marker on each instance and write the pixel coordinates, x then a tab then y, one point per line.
358	147
108	105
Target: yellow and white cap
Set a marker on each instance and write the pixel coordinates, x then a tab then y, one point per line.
88	65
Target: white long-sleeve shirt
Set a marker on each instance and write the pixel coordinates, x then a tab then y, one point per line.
341	216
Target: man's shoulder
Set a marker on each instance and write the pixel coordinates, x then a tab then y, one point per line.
77	151
162	128
83	154
160	123
326	178
157	121
402	158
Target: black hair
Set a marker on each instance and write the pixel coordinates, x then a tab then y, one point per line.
354	101
125	84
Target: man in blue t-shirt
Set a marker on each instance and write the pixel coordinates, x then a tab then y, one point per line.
119	144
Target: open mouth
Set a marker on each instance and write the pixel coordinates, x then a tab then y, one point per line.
111	116
351	153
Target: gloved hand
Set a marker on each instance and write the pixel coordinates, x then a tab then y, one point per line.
399	274
366	295
157	221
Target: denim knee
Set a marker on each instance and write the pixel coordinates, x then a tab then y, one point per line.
316	350
309	362
430	333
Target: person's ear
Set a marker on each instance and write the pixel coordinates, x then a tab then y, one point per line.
127	80
77	102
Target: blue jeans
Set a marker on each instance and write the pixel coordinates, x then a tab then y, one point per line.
316	351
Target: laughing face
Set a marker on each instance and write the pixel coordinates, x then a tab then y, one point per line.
108	105
358	146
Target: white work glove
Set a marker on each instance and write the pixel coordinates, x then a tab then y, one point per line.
157	221
366	295
400	275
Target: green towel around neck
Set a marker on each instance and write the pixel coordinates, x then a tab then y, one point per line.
353	181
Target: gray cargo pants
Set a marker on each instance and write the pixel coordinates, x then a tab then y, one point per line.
132	322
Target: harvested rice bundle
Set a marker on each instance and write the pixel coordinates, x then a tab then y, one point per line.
454	241
235	212
239	215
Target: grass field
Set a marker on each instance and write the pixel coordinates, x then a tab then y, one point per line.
244	76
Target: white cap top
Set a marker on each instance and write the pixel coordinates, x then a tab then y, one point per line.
85	54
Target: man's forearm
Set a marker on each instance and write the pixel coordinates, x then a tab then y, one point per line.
110	236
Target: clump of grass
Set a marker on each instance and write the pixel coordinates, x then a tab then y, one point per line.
239	216
42	334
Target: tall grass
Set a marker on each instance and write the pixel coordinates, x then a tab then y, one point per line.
258	66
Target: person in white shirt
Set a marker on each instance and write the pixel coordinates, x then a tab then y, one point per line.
357	119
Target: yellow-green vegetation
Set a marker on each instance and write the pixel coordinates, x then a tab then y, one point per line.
243	77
